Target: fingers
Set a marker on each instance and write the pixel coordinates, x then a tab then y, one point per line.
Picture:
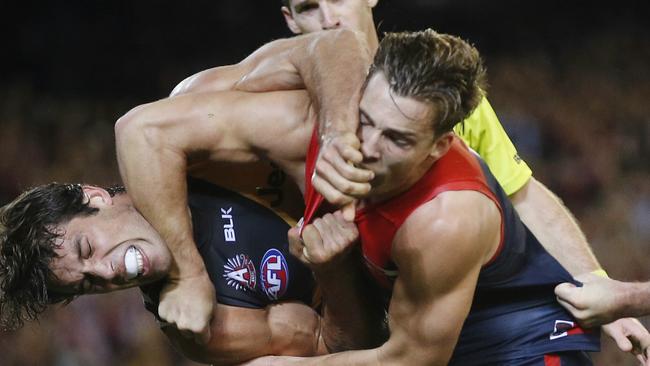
329	192
622	342
638	336
297	246
346	145
569	307
349	211
567	292
336	177
584	317
188	305
191	328
327	239
352	187
630	336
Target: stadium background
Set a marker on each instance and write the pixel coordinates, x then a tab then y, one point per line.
569	80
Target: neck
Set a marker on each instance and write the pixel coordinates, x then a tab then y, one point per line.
372	39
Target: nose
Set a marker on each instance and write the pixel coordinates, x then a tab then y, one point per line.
370	139
102	270
329	17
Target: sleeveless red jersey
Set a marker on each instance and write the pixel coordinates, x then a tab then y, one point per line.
457	170
514	311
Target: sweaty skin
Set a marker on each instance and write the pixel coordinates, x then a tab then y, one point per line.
171	218
342	162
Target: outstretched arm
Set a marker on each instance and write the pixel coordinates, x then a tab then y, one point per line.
154	144
555	227
541	211
538	207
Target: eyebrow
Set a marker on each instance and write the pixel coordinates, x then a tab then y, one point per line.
299	8
77	246
79	288
401	133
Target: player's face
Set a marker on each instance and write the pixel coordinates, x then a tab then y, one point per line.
113	249
306	16
397	138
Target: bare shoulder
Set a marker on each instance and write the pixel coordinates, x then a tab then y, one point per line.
456	227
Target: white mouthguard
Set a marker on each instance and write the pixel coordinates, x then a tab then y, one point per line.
131	263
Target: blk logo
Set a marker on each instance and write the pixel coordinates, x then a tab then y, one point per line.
228	226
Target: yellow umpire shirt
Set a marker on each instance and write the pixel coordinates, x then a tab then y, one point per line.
484	134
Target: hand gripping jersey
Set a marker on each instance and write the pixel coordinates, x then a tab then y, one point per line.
514	313
245	250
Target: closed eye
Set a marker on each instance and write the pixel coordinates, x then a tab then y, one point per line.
399	140
91	250
306	6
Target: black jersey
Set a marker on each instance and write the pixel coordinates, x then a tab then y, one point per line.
245	250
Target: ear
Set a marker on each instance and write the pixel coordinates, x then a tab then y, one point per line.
442	145
98	197
372	3
291	23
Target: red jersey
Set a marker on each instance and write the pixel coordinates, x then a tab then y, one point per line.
514	312
457	170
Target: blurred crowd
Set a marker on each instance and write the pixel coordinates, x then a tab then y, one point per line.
577	112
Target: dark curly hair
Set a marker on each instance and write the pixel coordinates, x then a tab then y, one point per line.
27	242
438	68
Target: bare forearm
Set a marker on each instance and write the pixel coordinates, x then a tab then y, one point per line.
386	355
635	299
154	175
353	315
334	67
555	227
241	334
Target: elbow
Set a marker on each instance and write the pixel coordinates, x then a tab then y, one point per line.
126	125
133	129
295	338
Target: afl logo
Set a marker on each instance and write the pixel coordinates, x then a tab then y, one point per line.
274	274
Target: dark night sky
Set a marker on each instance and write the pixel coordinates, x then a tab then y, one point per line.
140	49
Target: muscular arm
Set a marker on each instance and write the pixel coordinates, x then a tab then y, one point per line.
332	67
548	219
554	226
314	62
353	317
433	293
539	208
241	334
155	142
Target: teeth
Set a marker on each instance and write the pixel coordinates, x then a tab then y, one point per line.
140	260
133	262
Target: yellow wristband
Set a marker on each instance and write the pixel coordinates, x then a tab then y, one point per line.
600	272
